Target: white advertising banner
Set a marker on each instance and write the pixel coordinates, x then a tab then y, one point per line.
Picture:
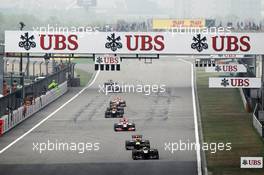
228	56
228	68
134	43
107	59
234	82
251	162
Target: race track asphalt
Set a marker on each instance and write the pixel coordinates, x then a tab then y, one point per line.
159	117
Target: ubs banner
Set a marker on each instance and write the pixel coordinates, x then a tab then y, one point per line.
131	42
228	68
234	82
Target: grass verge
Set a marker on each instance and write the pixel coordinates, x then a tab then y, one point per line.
225	120
82	61
84	76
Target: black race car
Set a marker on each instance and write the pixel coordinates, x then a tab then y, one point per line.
119	109
124	125
109	83
137	143
113	113
112	86
145	153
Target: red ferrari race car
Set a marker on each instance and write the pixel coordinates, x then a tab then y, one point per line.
124	125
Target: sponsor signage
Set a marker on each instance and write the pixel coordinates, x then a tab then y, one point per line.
133	43
234	82
107	62
251	162
107	59
177	23
228	68
228	56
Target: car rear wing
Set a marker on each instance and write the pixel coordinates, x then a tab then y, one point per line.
136	136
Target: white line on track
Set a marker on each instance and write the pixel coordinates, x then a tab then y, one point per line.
50	115
199	167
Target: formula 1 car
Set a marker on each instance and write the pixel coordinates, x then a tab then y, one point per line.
118	101
109	83
145	153
124	125
113	113
137	143
114	104
112	86
117	108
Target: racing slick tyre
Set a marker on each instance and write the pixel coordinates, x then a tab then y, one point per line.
134	157
156	153
121	112
128	145
115	126
133	126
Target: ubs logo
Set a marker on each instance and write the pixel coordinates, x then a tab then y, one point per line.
27	42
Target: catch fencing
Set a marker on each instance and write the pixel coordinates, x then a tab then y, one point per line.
15	100
17	116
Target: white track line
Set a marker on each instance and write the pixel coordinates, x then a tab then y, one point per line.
199	165
50	115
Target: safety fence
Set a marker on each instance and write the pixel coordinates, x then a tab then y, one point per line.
256	123
15	100
37	88
8	122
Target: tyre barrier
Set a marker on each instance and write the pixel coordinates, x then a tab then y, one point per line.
8	122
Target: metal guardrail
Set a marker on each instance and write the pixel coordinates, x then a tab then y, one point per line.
256	123
14	100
